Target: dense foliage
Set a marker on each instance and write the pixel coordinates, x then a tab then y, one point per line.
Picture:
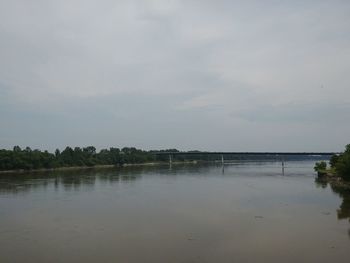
35	159
29	159
341	163
320	166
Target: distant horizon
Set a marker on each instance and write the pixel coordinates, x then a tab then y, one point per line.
172	148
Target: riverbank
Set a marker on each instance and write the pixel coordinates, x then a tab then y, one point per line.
330	176
73	168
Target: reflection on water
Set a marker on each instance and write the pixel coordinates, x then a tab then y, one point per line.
242	212
344	193
69	180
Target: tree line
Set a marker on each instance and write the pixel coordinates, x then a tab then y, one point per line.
29	159
339	163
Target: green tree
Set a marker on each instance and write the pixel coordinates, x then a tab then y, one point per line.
343	164
334	159
17	149
320	166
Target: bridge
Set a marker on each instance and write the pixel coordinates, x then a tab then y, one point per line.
271	155
247	153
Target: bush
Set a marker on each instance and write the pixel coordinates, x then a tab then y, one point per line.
319	166
343	166
334	159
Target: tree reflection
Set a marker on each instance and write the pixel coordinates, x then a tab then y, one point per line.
321	182
343	191
72	180
78	179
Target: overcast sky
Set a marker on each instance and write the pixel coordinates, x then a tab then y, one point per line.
208	75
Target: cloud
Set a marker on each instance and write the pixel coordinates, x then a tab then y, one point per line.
298	113
232	62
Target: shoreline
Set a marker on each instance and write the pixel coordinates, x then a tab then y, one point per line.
332	178
105	166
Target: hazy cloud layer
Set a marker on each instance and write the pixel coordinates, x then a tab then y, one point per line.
213	75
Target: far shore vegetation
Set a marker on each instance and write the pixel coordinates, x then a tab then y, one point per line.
28	159
339	166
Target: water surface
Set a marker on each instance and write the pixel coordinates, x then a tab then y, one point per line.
248	212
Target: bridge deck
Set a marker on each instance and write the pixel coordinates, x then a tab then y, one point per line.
247	153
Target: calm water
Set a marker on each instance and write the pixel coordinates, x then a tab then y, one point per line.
248	213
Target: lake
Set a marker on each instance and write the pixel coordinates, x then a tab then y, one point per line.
246	212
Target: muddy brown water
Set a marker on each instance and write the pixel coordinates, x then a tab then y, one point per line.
248	212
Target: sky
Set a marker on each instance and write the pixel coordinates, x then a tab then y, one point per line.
219	75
